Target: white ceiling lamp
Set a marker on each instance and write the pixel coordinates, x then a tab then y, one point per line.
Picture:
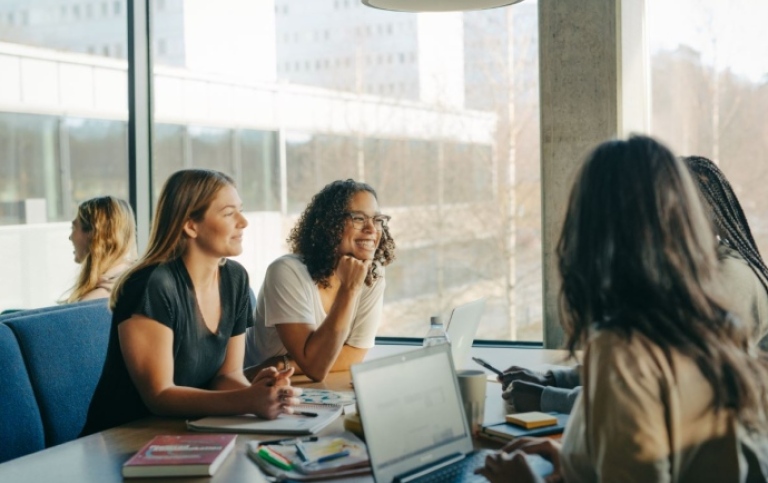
437	5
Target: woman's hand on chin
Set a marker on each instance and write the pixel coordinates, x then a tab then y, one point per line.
351	272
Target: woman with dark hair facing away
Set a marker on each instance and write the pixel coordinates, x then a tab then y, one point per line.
104	240
320	306
179	316
670	391
740	270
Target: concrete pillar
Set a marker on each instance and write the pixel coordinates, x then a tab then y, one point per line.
581	89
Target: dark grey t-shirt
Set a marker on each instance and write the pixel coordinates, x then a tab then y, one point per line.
165	294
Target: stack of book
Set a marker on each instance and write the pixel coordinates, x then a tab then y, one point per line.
526	424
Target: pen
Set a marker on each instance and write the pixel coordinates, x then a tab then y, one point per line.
301	452
487	366
333	456
305	413
287	441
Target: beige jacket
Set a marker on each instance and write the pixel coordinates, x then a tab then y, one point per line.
645	417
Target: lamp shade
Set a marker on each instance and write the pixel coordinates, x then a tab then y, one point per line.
437	5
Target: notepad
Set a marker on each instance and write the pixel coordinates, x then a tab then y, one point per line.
284	424
532	420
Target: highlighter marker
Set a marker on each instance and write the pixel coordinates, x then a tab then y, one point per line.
274	458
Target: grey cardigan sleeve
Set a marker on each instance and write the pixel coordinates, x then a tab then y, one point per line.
559	399
562	396
567	377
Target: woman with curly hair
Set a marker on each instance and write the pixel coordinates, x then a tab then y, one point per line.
104	240
320	306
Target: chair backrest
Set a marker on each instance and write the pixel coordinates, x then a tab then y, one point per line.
21	428
15	314
64	351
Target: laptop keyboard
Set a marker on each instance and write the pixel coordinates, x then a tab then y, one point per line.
460	471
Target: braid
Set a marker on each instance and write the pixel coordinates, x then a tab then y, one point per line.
728	215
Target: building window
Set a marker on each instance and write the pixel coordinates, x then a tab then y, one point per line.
104	9
117	7
105	51
76	12
162	48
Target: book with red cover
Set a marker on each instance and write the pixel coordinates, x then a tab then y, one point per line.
180	455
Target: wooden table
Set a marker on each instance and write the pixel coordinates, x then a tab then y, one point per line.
99	458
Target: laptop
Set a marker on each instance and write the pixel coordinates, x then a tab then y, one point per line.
462	327
414	422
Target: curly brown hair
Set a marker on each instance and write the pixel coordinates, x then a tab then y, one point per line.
317	235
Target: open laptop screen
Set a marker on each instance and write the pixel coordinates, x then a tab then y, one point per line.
411	410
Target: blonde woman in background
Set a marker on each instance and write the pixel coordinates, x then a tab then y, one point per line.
104	239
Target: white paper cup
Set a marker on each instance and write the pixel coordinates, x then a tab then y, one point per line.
472	384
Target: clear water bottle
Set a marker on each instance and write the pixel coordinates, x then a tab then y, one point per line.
436	334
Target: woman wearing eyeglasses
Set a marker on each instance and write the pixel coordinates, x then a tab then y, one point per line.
320	306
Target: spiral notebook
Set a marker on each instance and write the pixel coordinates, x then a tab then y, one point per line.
298	424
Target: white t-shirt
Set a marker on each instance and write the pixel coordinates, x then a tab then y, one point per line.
289	295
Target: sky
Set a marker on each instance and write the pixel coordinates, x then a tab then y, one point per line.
740	34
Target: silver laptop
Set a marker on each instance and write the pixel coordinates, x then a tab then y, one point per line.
414	422
462	327
412	415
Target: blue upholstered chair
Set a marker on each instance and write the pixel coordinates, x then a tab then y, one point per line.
15	314
64	350
21	428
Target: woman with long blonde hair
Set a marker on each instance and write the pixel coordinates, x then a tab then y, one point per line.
177	342
104	239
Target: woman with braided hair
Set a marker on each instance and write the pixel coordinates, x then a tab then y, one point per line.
742	270
320	305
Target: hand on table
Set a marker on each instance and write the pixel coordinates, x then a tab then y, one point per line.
510	464
523	396
272	393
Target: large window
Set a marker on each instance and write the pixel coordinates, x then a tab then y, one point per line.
63	138
709	63
438	112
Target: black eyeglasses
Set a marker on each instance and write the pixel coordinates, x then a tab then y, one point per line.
359	220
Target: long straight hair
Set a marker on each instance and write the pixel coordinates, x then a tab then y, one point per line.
186	195
112	228
637	255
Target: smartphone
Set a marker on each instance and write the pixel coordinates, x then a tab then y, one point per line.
487	366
